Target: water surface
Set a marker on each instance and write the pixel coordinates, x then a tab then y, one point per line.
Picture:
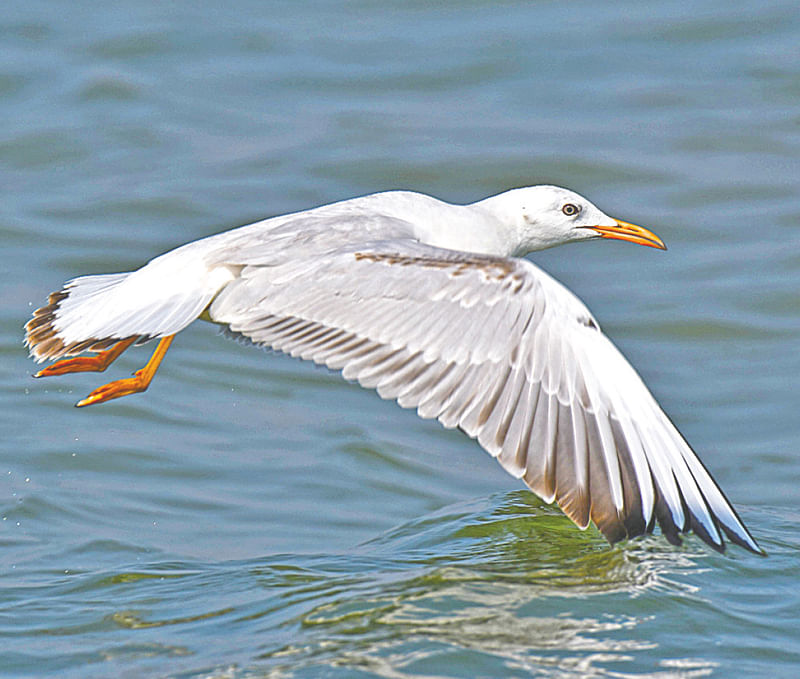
253	516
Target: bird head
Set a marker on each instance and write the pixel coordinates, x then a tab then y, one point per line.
545	216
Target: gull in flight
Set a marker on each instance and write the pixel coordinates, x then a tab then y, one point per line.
432	305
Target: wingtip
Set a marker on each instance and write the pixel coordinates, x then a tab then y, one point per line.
674	533
744	539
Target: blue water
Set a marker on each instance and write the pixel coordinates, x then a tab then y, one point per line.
253	516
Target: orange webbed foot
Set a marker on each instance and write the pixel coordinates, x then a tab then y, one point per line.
116	389
131	385
83	364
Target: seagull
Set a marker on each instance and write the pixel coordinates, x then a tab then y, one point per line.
434	306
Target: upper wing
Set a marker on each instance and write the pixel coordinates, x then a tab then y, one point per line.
498	348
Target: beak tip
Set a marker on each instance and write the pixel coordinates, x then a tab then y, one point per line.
631	233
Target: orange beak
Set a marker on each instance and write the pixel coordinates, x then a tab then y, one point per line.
630	232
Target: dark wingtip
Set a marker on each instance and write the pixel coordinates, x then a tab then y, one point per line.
755	548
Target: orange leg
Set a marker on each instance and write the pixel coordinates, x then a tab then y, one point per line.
139	382
83	364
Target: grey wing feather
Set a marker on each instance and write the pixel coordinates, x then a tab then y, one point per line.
498	348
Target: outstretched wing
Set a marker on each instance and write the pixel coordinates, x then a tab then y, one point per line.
495	347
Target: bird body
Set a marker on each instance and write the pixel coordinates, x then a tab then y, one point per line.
432	305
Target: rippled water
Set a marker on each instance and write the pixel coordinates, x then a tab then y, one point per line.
252	516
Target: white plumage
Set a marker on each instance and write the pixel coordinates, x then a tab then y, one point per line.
431	305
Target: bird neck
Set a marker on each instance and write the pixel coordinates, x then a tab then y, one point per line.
467	228
502	222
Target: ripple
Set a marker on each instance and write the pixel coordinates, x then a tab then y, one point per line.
130	46
110	88
41	149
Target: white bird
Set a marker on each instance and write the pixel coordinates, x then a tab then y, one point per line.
432	305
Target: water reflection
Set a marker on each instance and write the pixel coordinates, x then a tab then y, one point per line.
487	582
502	582
513	537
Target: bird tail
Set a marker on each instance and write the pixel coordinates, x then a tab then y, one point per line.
53	330
91	313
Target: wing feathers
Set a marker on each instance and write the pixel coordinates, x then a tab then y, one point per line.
540	471
501	350
435	401
571	468
514	455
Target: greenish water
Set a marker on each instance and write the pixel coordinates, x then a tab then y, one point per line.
253	516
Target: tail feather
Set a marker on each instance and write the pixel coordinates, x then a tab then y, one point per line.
91	313
44	334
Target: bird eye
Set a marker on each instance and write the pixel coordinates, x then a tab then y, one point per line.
570	209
